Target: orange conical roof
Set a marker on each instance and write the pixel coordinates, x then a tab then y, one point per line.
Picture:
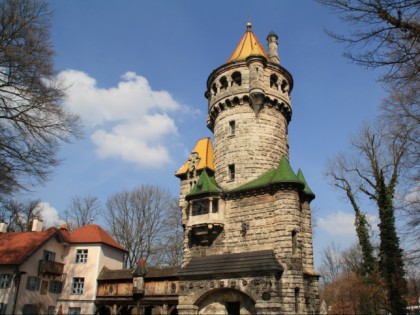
204	150
249	45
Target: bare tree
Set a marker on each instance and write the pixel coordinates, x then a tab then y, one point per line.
171	249
373	173
137	218
82	211
20	214
386	33
331	265
346	290
33	121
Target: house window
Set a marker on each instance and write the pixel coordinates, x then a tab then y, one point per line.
51	310
5	280
231	171
232	126
33	283
81	256
55	286
3	308
49	256
233	308
74	311
44	287
77	285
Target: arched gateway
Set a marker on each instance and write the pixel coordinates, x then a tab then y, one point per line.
225	301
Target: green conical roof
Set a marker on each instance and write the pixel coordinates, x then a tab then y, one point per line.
205	184
282	174
306	190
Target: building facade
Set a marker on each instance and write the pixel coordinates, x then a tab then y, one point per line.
246	213
54	271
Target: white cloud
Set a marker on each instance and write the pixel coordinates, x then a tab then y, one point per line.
342	223
49	214
139	116
338	223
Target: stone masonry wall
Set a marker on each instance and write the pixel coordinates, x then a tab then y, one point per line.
256	147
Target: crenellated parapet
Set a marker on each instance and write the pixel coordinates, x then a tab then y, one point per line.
253	82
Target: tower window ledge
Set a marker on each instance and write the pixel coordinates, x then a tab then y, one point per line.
205	219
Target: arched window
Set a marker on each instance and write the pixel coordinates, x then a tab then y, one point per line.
273	81
236	78
223	83
214	88
285	86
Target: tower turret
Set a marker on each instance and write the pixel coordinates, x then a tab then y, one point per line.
272	40
249	91
246	214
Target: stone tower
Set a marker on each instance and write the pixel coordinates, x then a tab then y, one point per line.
246	214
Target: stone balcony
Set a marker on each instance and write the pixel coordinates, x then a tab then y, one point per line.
206	227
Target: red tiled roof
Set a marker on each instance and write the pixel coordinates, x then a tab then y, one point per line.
15	247
91	233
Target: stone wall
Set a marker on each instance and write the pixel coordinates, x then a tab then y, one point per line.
256	147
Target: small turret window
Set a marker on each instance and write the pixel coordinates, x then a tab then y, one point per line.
274	81
214	88
232	126
231	171
294	242
236	78
297	291
223	83
285	86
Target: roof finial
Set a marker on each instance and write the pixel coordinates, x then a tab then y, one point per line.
248	24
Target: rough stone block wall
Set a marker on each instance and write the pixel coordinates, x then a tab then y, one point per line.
256	147
306	231
257	292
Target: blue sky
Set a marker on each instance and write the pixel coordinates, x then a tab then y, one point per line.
137	72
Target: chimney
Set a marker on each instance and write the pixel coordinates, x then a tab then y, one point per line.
36	225
272	40
3	227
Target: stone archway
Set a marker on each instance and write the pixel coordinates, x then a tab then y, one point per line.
225	301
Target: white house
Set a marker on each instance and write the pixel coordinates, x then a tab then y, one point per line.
54	271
